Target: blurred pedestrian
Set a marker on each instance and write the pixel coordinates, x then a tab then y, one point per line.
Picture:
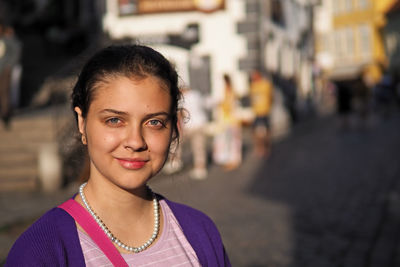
10	71
261	91
344	97
362	102
193	122
228	140
385	95
125	101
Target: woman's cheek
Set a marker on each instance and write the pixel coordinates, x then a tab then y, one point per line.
108	141
159	143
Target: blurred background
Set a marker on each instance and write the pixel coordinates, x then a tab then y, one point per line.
327	194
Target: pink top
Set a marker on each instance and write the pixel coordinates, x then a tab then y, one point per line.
171	249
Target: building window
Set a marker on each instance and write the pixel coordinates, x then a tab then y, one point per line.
343	44
338	6
325	42
363	4
127	7
339	44
349	45
277	13
392	43
365	40
348	5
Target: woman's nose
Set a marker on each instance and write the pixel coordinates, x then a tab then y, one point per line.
135	140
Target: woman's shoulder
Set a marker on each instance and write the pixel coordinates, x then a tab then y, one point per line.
42	239
185	209
46	225
52	221
44	229
190	217
202	234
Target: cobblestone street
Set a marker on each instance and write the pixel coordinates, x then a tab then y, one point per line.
323	198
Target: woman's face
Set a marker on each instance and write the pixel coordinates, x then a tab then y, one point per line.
128	130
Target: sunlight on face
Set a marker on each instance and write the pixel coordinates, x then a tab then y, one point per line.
128	129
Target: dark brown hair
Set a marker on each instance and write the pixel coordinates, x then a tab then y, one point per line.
132	61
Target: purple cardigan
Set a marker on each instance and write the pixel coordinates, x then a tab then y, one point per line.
53	240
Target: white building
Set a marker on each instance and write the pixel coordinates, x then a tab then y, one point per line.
288	41
199	36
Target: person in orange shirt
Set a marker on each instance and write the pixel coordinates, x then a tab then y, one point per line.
261	92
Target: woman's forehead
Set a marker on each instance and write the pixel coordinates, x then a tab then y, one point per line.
127	93
105	80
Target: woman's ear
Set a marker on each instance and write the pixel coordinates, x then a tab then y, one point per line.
81	124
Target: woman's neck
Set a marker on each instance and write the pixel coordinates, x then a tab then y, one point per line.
129	216
106	196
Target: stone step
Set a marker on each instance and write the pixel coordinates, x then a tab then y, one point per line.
32	135
24	146
52	118
18	158
21	144
11	173
22	178
25	184
27	123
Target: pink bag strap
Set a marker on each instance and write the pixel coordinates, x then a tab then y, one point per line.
87	222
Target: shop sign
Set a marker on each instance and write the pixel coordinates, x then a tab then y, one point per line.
136	7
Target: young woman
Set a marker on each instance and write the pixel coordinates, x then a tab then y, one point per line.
125	102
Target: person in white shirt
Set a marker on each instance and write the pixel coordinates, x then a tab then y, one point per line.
193	121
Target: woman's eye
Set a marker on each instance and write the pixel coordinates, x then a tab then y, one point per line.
155	123
113	121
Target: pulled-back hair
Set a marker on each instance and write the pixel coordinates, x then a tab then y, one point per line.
131	61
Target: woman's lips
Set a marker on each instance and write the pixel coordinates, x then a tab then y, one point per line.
132	164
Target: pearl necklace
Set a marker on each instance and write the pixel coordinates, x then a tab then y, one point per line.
112	237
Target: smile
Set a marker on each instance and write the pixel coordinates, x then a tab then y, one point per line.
132	164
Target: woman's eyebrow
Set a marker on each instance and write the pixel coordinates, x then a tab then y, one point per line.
108	110
161	113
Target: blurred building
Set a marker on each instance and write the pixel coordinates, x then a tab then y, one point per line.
58	21
392	39
52	33
349	39
287	41
200	36
208	38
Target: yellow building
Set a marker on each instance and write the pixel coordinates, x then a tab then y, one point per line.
354	41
